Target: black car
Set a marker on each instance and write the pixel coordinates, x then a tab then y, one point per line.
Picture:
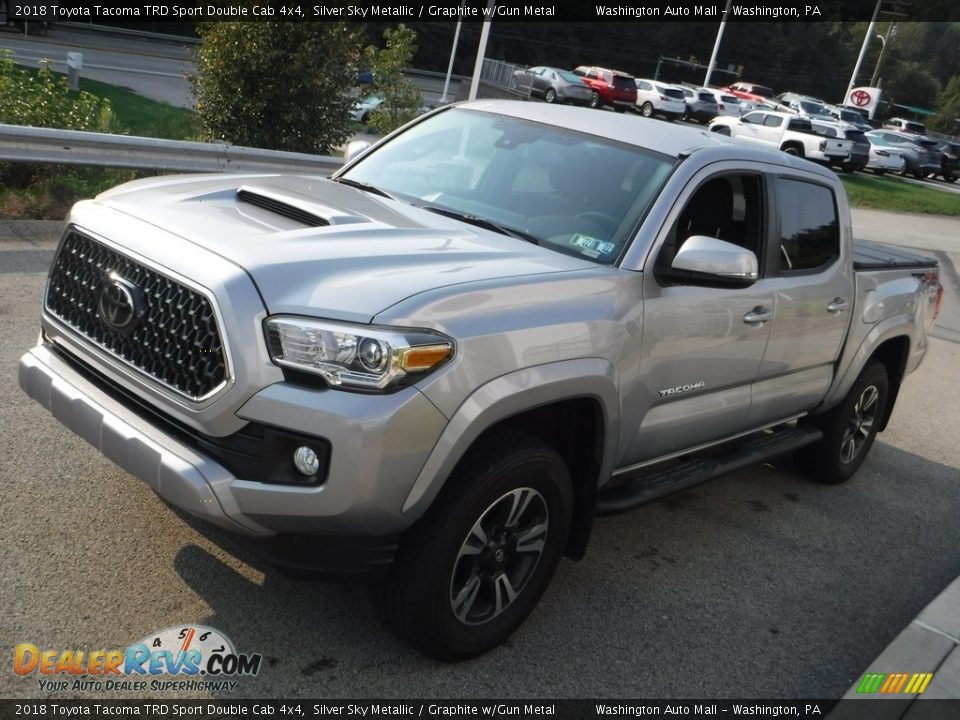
949	161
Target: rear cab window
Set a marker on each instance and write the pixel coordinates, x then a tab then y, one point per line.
809	226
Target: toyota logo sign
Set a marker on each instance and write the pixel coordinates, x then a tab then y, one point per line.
860	98
119	303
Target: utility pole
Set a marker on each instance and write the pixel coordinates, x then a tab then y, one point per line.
716	45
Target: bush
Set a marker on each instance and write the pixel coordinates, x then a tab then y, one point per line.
401	98
42	99
277	85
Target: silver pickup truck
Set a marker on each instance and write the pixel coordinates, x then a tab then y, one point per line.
435	368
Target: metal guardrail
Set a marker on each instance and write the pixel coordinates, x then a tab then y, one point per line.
73	147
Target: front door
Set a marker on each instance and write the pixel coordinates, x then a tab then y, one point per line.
701	346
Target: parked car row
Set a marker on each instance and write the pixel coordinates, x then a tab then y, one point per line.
796	123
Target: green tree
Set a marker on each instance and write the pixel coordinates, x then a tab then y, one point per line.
401	98
947	119
277	85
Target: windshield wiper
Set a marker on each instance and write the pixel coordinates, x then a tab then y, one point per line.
366	187
483	222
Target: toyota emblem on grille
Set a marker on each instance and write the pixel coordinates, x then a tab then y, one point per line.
120	303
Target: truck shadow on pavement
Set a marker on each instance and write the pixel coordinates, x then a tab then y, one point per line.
760	583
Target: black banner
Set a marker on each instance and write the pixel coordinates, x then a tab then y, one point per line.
859	709
478	10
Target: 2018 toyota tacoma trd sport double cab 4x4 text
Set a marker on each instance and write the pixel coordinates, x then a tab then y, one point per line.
436	367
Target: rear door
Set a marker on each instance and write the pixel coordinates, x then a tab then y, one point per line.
812	280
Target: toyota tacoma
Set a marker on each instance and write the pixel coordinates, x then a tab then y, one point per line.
436	367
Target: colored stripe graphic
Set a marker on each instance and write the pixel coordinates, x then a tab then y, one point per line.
871	682
893	683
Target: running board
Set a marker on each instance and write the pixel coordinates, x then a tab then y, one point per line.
654	484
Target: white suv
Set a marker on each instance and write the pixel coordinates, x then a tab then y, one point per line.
657	98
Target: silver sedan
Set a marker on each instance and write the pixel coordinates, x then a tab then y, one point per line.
553	85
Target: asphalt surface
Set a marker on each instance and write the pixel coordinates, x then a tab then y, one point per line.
762	583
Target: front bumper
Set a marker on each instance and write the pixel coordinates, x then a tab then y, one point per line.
379	444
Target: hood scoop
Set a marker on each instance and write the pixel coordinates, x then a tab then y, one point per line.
295	207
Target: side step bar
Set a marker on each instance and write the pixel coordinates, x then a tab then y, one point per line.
654	484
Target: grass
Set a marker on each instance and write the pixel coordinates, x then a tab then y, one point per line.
137	115
898	196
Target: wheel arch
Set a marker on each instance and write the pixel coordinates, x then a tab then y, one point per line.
892	354
572	406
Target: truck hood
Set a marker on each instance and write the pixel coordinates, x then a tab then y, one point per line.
316	247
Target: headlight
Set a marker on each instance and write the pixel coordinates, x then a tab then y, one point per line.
355	356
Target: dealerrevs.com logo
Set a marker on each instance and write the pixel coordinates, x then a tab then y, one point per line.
185	658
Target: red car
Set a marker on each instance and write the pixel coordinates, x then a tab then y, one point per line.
610	87
750	91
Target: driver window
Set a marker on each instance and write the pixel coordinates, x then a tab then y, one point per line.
728	208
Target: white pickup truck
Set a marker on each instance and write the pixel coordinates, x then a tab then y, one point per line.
785	131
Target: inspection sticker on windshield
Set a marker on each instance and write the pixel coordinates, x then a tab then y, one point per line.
594	247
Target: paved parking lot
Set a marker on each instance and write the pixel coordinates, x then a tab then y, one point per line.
759	584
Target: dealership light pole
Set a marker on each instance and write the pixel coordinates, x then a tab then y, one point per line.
481	51
453	54
716	45
863	49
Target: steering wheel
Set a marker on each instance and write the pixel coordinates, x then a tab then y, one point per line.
607	222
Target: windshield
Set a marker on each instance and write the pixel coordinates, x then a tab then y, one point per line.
575	193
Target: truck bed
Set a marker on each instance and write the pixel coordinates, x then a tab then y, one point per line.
869	255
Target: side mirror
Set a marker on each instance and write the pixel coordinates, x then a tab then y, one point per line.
710	261
355	150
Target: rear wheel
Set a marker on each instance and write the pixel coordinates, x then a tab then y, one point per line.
950	178
595	101
849	429
646	109
472	569
879	171
794	150
721	130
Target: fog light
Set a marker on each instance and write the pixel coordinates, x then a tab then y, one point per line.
306	460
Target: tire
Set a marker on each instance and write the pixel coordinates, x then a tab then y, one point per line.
879	171
794	150
619	108
595	101
454	565
646	110
919	175
722	130
550	96
950	178
846	436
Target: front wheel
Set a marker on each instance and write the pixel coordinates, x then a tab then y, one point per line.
551	95
472	569
849	429
950	178
595	101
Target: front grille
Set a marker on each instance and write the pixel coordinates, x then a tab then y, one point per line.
175	341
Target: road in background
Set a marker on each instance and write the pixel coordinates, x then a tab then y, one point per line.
152	68
761	583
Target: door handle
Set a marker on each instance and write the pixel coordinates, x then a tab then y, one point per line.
837	306
758	316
